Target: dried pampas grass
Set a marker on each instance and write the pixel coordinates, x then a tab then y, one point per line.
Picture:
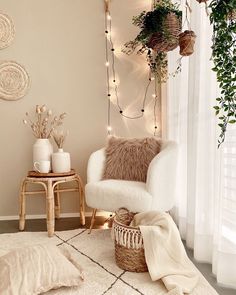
45	123
59	137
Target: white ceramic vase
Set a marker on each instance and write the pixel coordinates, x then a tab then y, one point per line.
61	162
42	150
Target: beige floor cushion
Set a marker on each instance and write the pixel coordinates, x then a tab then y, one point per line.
36	269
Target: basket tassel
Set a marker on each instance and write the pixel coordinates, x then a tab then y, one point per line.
127	238
128	241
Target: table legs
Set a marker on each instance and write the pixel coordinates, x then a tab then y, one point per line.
22	206
22	201
57	202
82	202
52	191
50	209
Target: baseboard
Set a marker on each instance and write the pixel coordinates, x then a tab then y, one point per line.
42	216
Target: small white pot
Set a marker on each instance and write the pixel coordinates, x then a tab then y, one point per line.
42	150
61	162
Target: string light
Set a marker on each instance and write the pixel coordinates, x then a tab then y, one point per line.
155	111
107	71
111	70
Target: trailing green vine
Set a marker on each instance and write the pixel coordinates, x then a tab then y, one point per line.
223	18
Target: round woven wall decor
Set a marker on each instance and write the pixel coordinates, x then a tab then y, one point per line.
14	80
7	30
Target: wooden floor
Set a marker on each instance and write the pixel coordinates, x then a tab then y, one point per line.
101	222
12	226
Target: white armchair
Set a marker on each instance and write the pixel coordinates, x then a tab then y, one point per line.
158	193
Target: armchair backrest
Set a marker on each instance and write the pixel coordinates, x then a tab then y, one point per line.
161	176
96	165
97	161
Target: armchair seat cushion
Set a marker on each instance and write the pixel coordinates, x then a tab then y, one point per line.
110	195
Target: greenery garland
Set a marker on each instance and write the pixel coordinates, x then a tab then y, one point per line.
223	18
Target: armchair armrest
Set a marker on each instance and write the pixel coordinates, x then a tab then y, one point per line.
161	177
95	166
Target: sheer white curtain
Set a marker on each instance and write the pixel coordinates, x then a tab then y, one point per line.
206	187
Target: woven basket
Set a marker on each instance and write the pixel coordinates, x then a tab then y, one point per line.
186	43
166	40
129	250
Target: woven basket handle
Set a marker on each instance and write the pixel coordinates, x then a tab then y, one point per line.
125	210
124	216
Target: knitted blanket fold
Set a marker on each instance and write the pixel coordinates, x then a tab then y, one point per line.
165	254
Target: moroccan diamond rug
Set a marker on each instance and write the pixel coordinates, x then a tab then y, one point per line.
95	253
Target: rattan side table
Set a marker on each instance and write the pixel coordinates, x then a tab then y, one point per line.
51	188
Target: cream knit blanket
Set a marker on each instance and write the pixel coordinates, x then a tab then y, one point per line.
164	252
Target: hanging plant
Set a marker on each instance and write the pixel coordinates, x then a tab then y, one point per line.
224	57
160	29
186	43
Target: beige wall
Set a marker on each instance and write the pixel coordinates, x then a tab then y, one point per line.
61	44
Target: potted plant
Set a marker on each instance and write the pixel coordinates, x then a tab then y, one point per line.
42	125
159	33
186	42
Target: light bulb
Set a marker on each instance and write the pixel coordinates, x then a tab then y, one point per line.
154	95
106	225
108	17
107	64
152	78
109	128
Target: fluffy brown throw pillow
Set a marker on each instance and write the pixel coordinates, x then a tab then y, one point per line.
128	159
